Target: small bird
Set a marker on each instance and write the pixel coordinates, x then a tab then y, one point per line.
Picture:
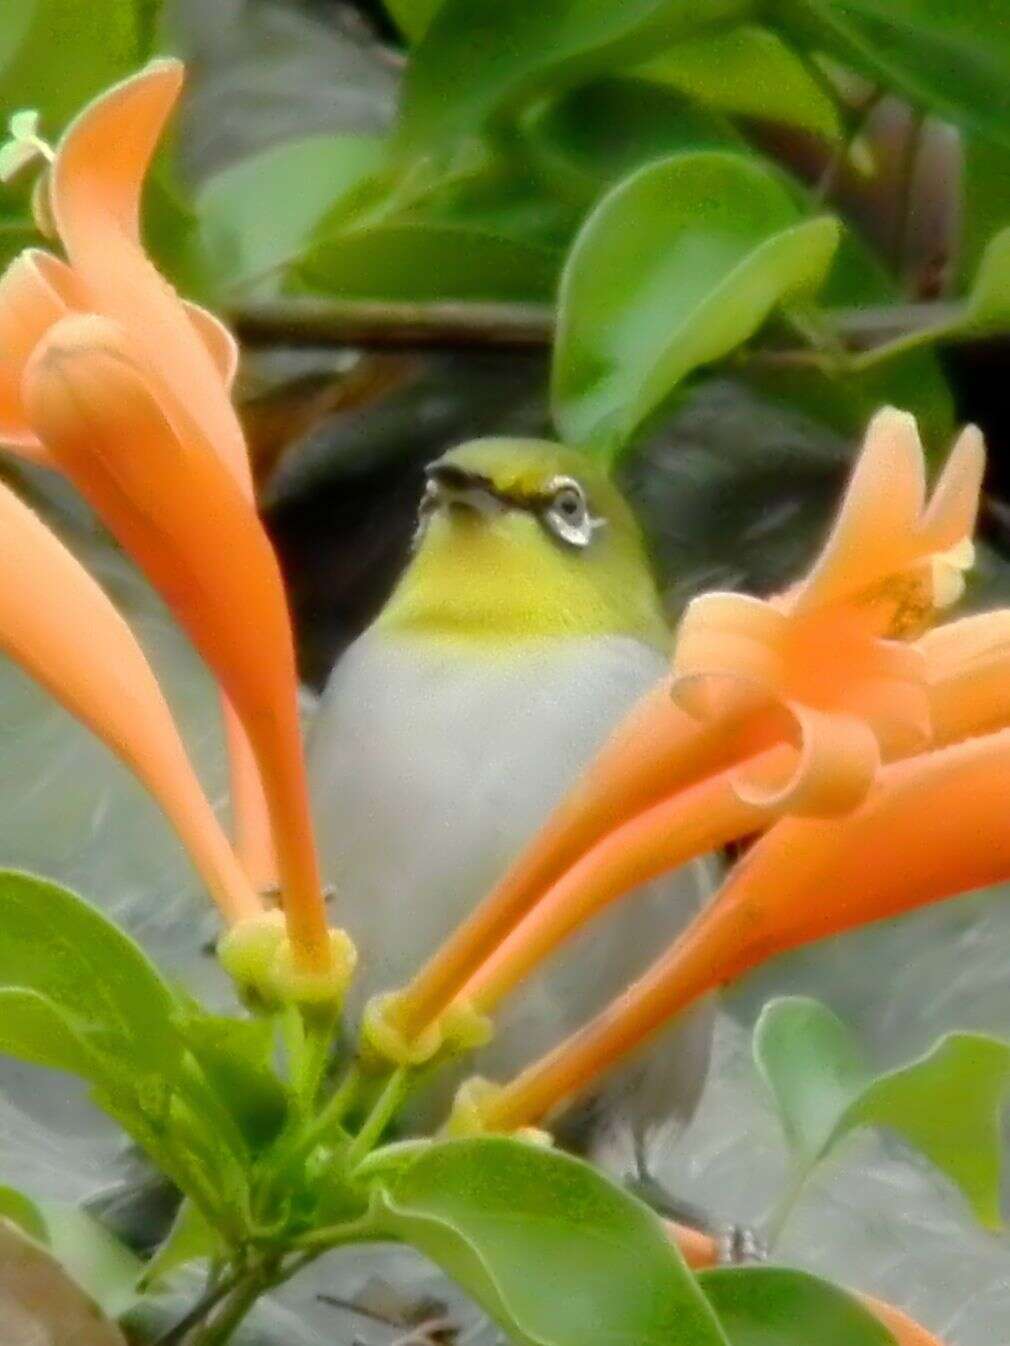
524	627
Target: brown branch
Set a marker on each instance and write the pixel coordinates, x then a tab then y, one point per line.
349	322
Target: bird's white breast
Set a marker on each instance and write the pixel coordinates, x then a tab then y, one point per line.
431	764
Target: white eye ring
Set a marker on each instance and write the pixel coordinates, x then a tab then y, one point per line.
567	513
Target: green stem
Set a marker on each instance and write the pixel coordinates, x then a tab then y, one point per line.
241	1301
785	1207
317	1241
385	1109
315	1054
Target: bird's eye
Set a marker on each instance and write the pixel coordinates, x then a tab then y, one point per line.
567	513
569	502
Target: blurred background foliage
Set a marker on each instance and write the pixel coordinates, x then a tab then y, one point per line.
791	211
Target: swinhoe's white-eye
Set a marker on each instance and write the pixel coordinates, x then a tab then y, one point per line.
525	625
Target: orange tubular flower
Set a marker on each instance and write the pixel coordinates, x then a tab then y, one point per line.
138	458
95	193
783	706
126	390
58	624
934	826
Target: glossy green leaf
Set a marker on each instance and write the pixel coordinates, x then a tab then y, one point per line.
988	308
774	1306
191	1239
40	1302
588	137
812	1064
54	943
846	400
986	201
257	215
415	260
947	1104
19	1210
235	1056
479	56
101	1265
34	1029
677	266
55	55
748	70
413	17
950	57
554	1252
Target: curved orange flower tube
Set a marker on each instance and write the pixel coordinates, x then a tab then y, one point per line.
58	624
95	188
934	826
817	670
142	462
968	682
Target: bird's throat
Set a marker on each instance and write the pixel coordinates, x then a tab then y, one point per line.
504	580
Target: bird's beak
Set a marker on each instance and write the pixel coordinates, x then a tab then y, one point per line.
450	486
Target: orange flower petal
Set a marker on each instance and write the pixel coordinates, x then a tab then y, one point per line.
832	773
221	347
935	826
58	624
96	186
968	665
138	458
884	526
845	697
36	291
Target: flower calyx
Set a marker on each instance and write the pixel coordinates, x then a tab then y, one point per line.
258	956
466	1120
460	1028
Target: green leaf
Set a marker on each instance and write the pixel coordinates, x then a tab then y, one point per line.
554	1252
413	260
812	1064
950	57
986	201
191	1239
748	70
52	942
479	56
590	136
55	55
101	1265
773	1306
946	1104
235	1056
390	1159
413	17
34	1029
988	307
676	267
39	1302
257	215
19	1210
